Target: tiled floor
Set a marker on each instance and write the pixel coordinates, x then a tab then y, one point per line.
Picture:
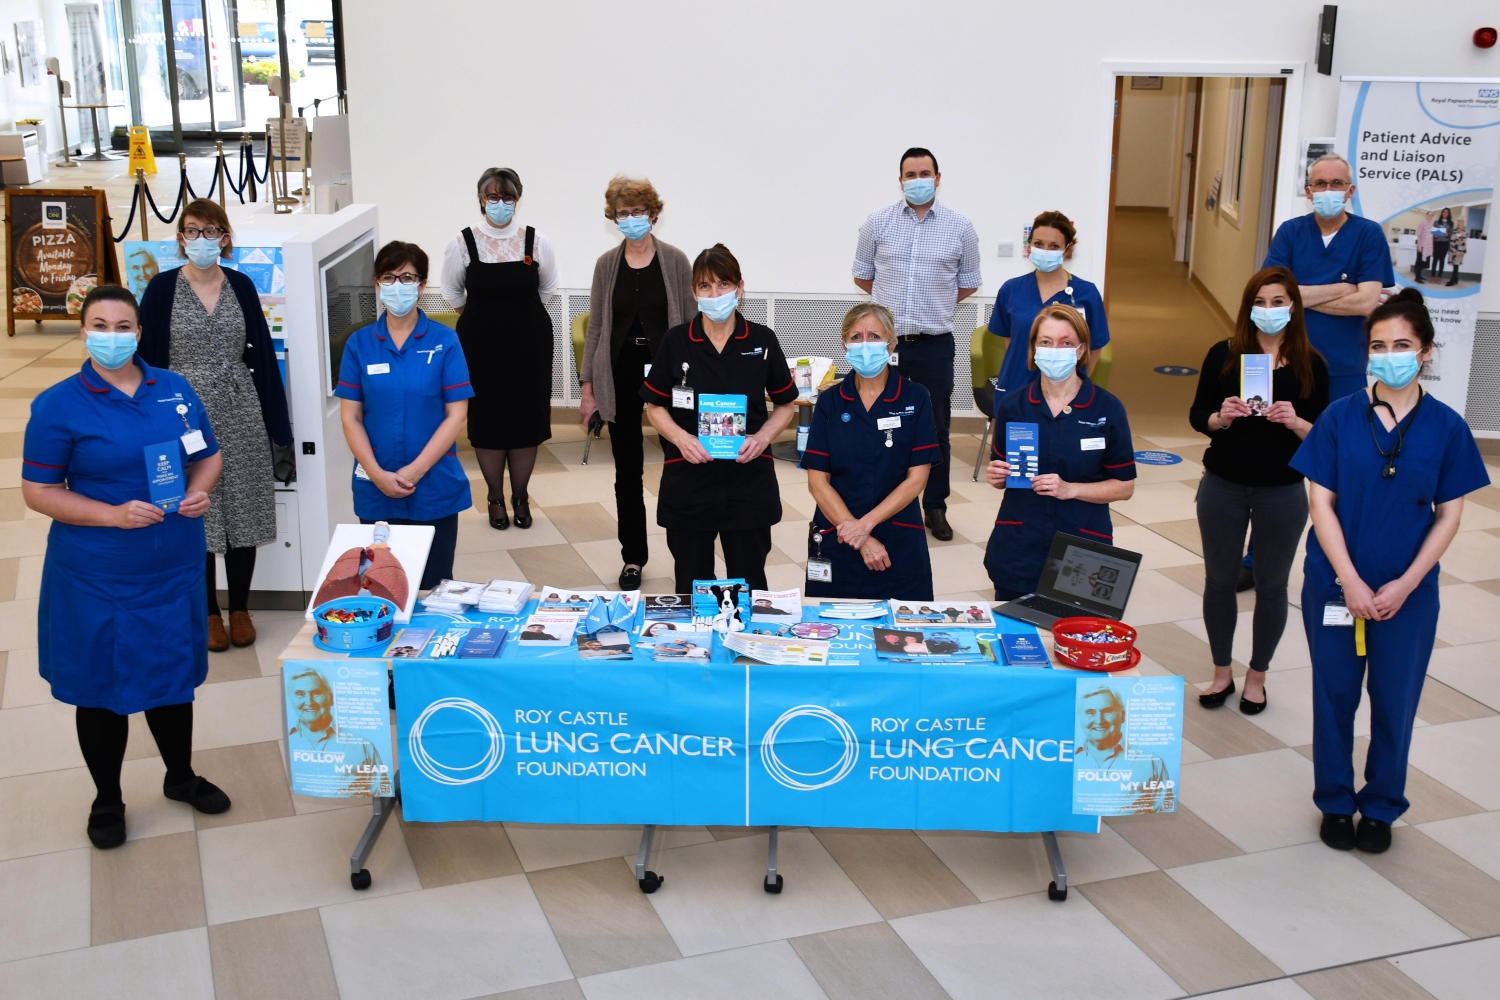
1233	893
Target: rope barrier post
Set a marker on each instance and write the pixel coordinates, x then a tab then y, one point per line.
182	188
247	148
140	194
221	173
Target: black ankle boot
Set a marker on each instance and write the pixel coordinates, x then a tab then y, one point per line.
523	511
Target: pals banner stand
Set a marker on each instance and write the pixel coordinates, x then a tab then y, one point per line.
1420	146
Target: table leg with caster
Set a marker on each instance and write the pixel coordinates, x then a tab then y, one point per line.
774	882
1058	889
648	881
359	875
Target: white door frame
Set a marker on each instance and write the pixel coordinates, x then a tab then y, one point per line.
1291	121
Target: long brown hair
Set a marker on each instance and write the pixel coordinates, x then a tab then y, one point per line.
1295	347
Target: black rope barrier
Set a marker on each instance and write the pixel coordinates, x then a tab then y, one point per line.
167	219
129	221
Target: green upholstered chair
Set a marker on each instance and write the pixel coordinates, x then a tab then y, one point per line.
449	320
1101	370
986	352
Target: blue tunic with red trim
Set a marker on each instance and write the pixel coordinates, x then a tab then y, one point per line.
846	442
1087	442
122	623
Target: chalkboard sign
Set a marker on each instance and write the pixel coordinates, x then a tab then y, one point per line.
59	245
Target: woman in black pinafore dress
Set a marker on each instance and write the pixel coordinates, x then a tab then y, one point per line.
496	274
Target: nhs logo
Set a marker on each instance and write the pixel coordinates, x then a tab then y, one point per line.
1489	93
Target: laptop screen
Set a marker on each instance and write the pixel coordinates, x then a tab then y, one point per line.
1093	574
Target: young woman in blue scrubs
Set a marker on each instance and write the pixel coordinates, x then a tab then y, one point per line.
122	626
1086	460
1020	299
405	390
869	450
1390	467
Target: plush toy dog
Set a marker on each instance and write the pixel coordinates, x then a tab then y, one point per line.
728	619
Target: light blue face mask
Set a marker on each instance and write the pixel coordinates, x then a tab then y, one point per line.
1396	369
1057	363
202	251
1270	320
869	357
920	190
399	299
499	212
634	227
111	349
1046	260
1328	204
720	307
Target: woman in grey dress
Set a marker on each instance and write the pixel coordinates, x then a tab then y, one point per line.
221	344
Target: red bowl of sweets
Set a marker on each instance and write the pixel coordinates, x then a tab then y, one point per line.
1095	644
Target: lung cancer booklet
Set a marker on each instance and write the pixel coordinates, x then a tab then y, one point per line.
721	424
1255	383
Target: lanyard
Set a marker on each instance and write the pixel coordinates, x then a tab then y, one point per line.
1389	469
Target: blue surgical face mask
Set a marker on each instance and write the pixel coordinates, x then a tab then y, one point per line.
634	227
1396	369
1057	363
1328	204
1270	320
499	212
868	358
920	190
202	251
720	307
398	298
1046	260
111	349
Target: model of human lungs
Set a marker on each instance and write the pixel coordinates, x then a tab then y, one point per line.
374	570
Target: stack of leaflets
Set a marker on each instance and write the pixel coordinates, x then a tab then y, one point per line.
665	615
929	645
469	644
453	596
681	645
409	643
568	600
504	596
778	606
605	644
721	605
953	614
852	611
548	631
790	650
1022	650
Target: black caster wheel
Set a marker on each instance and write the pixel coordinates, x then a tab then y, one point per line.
360	879
776	886
651	882
1055	894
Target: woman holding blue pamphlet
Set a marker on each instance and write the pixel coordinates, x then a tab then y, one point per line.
1258	395
1084	460
123	459
1390	467
718	485
869	450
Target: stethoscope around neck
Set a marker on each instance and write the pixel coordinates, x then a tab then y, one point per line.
1389	469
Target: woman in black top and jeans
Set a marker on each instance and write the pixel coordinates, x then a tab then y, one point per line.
1247	478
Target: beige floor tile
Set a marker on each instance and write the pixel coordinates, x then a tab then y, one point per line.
1291	652
9	568
146	887
868	962
448	853
257	869
483	566
274	629
165	967
475	534
1156	599
1468	669
1224	731
148	813
558	489
1170	840
1440	880
601	919
1288	715
1466	971
566	989
259	958
1472	838
975	521
20	619
1308	907
1181	652
1441	703
1154	502
1275	989
1430	799
23	684
444	944
1157	552
960	567
1184	533
1258	801
29	576
46	904
233	664
44	812
1473	555
253	777
1362	981
589	522
1002	865
1469	614
38	738
235	712
972	951
1180	934
557	565
785	576
752	973
896	871
735	832
1451	752
715	900
541	845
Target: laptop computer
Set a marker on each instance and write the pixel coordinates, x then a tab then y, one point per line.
1080	577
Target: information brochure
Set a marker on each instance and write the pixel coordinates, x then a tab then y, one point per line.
776	605
409	643
721	424
504	596
482	644
680	645
164	474
906	645
566	600
851	611
669	608
339	738
454	596
790	650
548	630
721	605
1255	383
1021	441
605	644
1021	650
1127	742
963	614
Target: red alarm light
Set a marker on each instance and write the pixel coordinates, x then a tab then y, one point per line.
1485	38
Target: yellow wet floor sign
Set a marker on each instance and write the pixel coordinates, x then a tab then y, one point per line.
141	155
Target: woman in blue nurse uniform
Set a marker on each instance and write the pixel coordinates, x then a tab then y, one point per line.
1085	457
1389	467
405	390
122	626
868	453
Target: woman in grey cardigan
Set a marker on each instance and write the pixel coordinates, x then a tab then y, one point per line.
642	289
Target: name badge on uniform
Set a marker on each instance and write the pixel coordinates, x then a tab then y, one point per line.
1337	613
648	371
682	398
888	423
1090	444
192	442
820	570
360	473
383	368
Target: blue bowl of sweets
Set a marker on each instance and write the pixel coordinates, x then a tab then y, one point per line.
346	624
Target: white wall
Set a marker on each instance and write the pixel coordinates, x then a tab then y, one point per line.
1148	163
775	127
39	101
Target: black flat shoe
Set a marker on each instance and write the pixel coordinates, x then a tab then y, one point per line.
1253	707
107	827
937	523
523	511
499	520
1373	836
1247	580
1217	698
630	578
200	793
1337	831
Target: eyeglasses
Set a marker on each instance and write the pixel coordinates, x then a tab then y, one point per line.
494	199
390	279
210	233
631	213
1333	185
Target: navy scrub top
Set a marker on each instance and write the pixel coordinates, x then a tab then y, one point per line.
1016	307
121	623
405	392
846	442
1358	252
1087	445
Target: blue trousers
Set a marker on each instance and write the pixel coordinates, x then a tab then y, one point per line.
928	362
1394	669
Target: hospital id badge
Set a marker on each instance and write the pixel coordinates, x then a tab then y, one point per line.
193	442
360	473
682	398
1337	613
888	423
820	570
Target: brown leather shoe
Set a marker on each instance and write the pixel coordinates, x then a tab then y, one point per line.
218	639
241	632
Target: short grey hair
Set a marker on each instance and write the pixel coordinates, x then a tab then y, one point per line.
1330	158
509	180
